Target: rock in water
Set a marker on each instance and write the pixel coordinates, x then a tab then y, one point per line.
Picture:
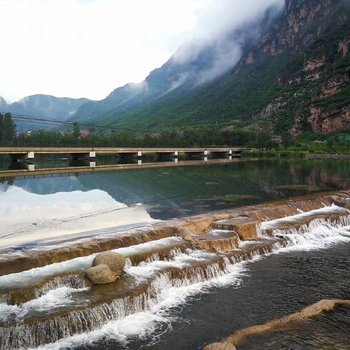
101	274
220	346
114	261
106	268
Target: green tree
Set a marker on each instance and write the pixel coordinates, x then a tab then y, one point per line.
8	130
1	128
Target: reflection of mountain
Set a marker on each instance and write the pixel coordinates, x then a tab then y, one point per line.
173	192
29	217
48	185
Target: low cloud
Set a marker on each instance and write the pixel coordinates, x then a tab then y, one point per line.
215	36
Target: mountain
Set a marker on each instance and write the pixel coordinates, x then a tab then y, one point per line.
287	73
193	65
42	107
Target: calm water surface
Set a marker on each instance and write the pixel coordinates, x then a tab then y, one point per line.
181	191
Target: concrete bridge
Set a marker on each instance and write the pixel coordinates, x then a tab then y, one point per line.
83	153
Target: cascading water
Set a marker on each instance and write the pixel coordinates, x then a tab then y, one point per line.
64	310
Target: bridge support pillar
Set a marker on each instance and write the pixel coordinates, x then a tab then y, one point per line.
22	157
236	154
167	155
198	155
83	159
82	156
128	157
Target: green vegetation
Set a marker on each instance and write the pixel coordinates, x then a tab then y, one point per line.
187	137
261	142
7	130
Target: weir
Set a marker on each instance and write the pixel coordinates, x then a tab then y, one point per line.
59	302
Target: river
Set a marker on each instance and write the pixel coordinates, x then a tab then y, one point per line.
45	212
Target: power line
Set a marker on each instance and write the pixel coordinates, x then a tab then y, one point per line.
29	118
24	117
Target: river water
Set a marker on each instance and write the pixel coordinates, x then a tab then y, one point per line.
191	316
267	289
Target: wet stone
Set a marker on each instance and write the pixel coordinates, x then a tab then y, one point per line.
114	261
220	346
344	203
245	227
101	274
218	241
106	268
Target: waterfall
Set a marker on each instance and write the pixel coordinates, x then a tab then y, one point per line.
62	306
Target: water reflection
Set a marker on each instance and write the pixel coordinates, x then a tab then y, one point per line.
177	191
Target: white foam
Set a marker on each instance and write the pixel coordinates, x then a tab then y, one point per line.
149	246
27	217
146	270
142	324
16	280
53	299
318	234
333	209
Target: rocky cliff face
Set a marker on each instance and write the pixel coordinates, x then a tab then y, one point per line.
292	77
292	32
314	84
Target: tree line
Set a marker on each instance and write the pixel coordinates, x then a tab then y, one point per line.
7	130
199	136
188	137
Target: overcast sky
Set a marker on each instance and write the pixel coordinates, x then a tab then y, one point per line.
87	48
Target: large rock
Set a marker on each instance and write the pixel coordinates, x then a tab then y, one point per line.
114	261
106	268
101	274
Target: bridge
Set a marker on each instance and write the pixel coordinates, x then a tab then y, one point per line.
19	154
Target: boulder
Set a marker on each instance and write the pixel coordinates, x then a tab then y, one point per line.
106	268
101	274
114	261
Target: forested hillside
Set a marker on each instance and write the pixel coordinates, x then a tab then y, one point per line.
291	78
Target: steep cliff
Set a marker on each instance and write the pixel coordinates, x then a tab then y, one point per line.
314	85
292	76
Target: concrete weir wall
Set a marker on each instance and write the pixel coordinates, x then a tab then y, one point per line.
244	221
108	283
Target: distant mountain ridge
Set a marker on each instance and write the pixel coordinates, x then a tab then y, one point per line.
42	106
290	76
